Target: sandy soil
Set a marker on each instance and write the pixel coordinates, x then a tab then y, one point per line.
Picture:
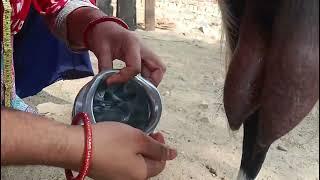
193	120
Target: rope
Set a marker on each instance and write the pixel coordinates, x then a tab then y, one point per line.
7	52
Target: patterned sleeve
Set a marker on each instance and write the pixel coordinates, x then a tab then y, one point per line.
58	10
49	7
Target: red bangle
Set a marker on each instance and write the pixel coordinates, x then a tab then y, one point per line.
88	147
93	23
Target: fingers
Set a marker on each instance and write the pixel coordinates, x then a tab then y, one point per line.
152	67
154	167
158	137
152	74
137	57
155	149
132	58
124	75
104	59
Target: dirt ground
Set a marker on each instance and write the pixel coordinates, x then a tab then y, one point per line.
193	120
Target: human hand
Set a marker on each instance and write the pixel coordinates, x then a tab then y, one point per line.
122	152
110	41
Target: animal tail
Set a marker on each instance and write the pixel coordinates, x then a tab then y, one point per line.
231	12
253	154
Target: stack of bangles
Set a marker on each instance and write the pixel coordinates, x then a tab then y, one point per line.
83	116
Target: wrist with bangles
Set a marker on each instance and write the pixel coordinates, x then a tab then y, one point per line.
60	25
87	123
61	30
97	21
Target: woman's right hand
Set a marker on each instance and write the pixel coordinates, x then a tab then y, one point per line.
122	152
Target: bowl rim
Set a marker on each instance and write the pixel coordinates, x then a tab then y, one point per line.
151	90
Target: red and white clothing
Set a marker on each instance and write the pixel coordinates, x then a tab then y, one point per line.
56	11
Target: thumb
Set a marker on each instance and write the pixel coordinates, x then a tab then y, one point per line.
155	150
132	59
154	167
158	137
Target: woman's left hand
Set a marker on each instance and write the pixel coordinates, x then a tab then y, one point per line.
110	41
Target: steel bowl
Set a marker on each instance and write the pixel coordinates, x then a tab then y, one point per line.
136	103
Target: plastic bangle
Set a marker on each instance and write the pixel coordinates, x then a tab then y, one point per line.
88	148
93	23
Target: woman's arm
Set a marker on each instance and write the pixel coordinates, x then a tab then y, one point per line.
63	27
28	139
119	151
107	40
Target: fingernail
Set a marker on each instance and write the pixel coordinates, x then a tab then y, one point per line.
172	153
154	133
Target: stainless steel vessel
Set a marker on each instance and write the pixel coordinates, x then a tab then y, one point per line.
136	103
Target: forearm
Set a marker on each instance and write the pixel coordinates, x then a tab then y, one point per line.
60	25
28	139
70	22
77	21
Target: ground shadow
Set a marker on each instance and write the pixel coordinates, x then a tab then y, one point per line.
44	97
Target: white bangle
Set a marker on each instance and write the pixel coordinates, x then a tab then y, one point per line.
60	25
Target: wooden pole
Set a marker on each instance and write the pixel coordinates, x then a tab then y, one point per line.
149	15
126	10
